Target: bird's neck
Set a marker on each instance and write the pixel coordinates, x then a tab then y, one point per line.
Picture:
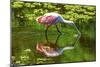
68	22
65	48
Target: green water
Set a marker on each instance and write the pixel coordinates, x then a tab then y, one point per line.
25	39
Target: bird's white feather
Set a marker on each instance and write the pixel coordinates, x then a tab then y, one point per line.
53	14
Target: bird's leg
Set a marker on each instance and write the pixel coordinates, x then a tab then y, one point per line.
58	29
46	29
47	26
57	38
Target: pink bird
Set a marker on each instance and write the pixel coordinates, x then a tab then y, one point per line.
50	51
52	19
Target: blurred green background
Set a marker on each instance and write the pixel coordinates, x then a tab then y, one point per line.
26	32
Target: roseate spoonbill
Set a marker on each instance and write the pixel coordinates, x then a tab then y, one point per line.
51	49
52	19
48	47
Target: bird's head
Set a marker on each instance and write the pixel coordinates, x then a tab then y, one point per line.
38	19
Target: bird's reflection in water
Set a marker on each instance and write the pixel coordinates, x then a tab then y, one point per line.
50	49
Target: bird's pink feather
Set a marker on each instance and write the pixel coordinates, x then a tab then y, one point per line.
47	19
